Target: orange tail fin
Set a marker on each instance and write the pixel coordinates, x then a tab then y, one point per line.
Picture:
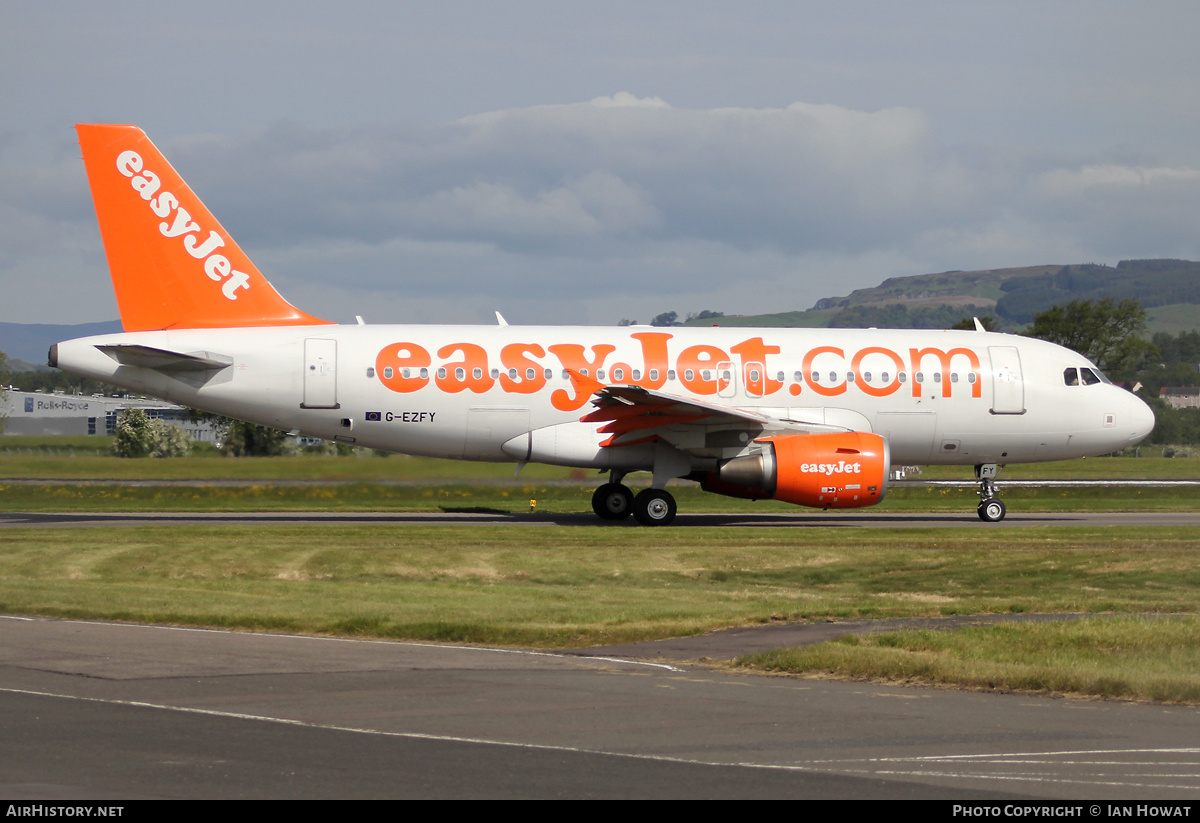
172	264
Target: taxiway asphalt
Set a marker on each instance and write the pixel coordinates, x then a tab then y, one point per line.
102	710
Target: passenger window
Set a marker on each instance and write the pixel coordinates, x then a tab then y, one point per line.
387	372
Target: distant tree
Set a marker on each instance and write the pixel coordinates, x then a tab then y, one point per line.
242	439
55	380
627	322
1106	331
667	318
139	436
705	315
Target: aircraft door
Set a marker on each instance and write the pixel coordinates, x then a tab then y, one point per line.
726	380
320	374
1008	388
754	377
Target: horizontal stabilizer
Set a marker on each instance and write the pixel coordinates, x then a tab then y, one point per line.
147	357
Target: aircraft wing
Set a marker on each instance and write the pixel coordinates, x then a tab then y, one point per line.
633	414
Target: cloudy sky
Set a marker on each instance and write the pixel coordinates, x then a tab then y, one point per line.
586	162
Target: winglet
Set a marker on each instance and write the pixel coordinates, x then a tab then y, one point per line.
172	263
583	384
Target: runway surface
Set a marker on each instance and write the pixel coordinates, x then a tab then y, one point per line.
99	710
966	519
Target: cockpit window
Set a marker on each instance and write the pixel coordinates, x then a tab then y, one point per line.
1071	376
1090	378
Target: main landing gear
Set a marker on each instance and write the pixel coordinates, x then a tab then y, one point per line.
991	508
651	507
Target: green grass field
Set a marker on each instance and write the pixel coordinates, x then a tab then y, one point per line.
559	586
563	586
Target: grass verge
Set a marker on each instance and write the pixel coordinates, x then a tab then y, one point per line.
564	586
1132	658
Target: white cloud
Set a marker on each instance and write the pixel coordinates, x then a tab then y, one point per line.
620	206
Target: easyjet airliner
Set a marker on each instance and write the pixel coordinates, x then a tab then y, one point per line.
814	417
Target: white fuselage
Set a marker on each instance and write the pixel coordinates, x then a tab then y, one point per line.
467	391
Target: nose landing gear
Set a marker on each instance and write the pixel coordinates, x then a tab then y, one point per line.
991	508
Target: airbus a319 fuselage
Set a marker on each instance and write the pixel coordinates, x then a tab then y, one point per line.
812	416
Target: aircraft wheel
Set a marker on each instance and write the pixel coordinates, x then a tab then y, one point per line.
613	501
991	510
654	507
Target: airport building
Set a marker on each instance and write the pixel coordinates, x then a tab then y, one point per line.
42	413
1181	397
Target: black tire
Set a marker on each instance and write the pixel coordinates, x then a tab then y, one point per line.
612	501
992	510
654	507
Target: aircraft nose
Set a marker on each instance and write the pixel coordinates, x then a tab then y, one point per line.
1143	419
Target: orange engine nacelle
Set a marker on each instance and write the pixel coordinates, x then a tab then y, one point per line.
825	471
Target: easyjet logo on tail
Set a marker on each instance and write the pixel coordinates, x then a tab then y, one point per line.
162	203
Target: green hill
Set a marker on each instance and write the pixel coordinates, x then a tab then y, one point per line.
1170	289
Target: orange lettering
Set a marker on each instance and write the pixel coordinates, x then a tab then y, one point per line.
513	357
751	352
572	357
694	360
877	391
654	360
944	361
473	357
394	359
807	366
